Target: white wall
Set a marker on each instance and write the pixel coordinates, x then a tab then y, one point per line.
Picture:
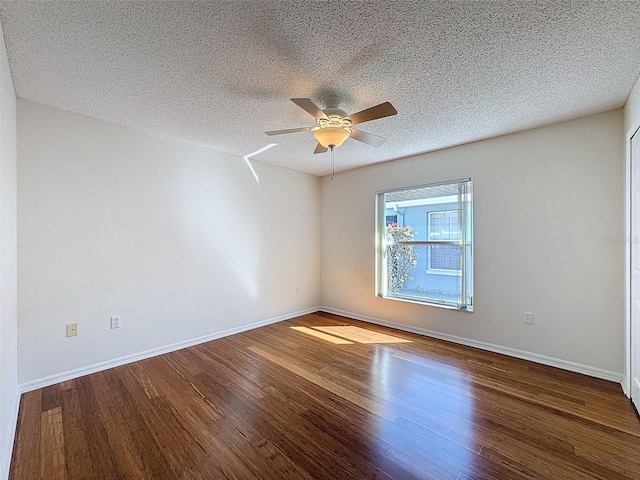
179	240
8	282
549	237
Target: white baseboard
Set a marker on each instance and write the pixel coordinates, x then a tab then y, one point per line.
512	352
626	384
9	437
116	362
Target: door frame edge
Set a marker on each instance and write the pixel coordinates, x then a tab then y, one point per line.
626	381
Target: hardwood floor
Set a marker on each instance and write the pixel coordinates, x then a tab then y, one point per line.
278	402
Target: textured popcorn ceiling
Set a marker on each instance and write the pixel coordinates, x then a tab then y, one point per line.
220	73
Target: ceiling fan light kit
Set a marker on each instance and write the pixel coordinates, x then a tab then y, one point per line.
331	137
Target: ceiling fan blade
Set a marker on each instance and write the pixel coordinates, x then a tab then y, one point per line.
320	149
310	107
290	130
368	138
379	111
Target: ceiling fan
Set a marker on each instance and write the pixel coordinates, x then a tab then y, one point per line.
334	126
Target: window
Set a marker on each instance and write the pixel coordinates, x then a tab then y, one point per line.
444	259
389	219
429	257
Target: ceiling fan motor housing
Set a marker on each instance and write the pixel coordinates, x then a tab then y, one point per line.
330	104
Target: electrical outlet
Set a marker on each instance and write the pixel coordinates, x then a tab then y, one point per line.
297	289
528	318
72	329
115	322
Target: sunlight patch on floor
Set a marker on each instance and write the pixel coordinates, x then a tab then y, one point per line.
361	335
323	336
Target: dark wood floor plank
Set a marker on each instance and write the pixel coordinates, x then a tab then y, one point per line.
275	402
117	428
76	450
179	453
100	453
26	452
313	443
309	447
51	397
52	445
196	413
353	397
241	438
133	443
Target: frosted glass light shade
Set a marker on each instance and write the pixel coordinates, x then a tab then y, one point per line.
328	136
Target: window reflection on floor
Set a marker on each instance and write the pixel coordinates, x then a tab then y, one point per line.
435	408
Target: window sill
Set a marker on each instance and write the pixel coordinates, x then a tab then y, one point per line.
425	302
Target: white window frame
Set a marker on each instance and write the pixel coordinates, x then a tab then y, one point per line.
464	200
438	271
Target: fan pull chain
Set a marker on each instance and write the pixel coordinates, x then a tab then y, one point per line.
333	170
